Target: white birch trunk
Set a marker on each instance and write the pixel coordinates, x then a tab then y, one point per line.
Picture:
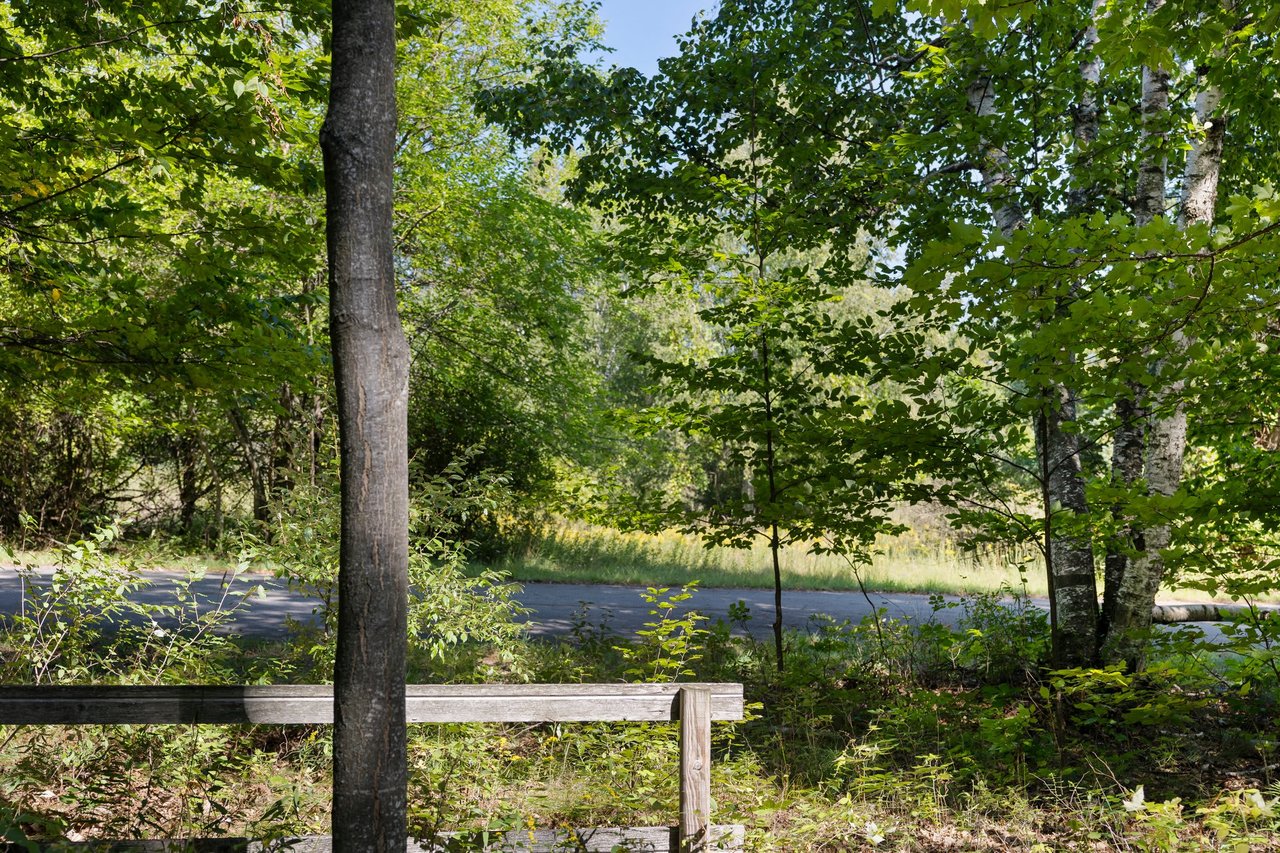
1130	439
1086	113
1121	579
1167	440
997	178
1073	589
1204	162
1128	442
1148	202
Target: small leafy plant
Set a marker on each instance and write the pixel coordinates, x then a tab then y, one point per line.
671	642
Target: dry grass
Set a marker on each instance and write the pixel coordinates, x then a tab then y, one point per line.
926	559
913	562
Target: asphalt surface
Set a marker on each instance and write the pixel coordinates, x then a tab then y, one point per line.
622	609
555	609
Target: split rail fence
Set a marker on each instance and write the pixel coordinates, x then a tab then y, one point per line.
695	706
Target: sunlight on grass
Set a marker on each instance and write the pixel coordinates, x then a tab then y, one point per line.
925	562
584	553
925	559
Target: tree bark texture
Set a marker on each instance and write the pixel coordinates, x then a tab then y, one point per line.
1069	559
1086	116
1125	579
1140	583
1148	202
1167	435
1127	460
998	179
1087	113
1072	576
371	360
1129	437
1204	162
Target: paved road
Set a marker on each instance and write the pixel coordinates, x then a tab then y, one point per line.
251	614
555	608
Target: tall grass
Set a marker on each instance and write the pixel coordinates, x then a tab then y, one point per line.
926	559
574	551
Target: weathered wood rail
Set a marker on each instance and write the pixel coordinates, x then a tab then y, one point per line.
695	706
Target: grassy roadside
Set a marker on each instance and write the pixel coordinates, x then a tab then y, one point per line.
879	735
577	552
582	553
876	738
923	560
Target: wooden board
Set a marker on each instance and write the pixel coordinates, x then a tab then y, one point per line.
494	703
655	839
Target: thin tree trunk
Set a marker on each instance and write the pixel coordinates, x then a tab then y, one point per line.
1068	558
257	476
774	546
371	360
1120	603
1167	440
772	471
184	454
214	532
283	445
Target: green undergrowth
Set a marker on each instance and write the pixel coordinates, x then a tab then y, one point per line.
879	735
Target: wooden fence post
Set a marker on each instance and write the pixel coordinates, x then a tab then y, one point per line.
695	769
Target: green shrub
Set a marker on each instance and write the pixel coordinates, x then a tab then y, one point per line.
83	623
449	611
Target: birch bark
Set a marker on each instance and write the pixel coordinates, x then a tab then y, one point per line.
1129	441
1073	596
1167	439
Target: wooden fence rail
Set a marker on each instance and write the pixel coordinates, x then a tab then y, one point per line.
694	705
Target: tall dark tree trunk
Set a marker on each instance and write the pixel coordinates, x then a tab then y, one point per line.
371	361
